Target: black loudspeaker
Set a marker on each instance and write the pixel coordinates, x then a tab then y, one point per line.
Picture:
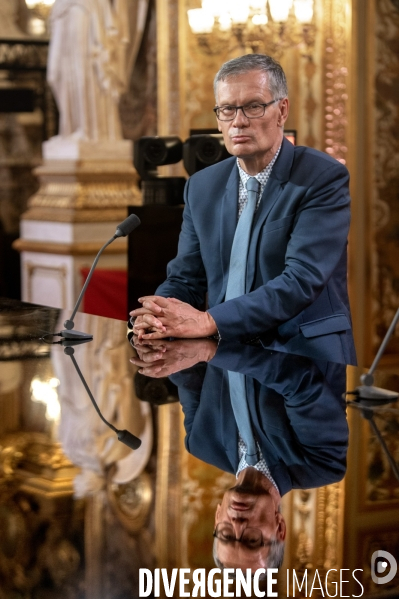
151	152
200	151
17	100
163	190
148	154
151	247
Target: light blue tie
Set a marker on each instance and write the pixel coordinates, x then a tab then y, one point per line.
235	288
239	250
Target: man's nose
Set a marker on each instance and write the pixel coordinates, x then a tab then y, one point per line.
240	120
239	524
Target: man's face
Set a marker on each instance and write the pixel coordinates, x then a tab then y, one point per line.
253	506
254	141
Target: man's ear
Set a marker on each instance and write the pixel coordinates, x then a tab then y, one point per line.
284	110
281	527
217	513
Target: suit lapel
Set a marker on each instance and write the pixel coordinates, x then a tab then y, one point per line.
278	177
228	223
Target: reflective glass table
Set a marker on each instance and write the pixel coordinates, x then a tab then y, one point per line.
86	514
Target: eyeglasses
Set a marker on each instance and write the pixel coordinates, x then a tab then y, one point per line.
254	110
251	537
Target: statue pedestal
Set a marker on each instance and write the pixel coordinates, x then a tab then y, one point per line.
85	188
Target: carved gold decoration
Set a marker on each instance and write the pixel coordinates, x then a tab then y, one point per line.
316	526
70	215
95	544
168	487
90	189
38	463
303	510
381	485
36	483
131	502
336	72
385	213
247	38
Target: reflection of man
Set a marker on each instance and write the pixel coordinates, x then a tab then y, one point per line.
295	261
249	528
298	420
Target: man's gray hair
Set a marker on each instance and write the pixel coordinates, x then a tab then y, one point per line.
277	82
274	559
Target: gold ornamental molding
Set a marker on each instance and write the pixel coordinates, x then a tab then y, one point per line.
168	487
83	186
131	502
86	194
37	464
336	68
71	249
71	215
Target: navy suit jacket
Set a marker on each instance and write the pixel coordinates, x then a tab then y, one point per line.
296	408
297	263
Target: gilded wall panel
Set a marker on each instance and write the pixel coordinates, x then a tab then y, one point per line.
385	206
302	64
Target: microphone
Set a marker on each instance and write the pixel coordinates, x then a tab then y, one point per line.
122	230
124	436
367	393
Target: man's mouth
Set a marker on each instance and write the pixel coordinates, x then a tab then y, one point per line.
240	138
239	506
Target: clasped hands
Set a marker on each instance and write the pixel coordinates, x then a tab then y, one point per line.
161	317
160	358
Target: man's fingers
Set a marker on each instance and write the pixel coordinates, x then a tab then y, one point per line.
145	359
148	321
158	300
148	308
154	335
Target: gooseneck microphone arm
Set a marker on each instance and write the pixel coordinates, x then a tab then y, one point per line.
69	324
368	378
367	392
123	435
123	229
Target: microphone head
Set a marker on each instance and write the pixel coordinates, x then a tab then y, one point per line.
129	439
127	226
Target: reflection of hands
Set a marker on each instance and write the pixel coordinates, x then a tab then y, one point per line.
161	317
163	358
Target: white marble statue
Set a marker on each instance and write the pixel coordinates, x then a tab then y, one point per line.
8	20
87	66
86	440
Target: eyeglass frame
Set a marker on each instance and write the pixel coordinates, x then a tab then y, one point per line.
235	540
237	108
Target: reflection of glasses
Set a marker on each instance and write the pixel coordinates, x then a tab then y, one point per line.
251	537
254	110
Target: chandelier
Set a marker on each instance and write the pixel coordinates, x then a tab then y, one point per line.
39	12
253	25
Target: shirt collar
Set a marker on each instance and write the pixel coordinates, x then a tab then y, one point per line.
262	174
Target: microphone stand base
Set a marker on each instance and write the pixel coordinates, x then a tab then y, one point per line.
75	335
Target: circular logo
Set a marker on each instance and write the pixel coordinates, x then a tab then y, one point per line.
380	567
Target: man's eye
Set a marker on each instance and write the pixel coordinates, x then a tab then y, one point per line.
227	536
227	109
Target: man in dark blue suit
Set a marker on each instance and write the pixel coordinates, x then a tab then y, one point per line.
296	272
298	418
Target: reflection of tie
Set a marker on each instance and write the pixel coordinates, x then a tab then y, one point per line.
235	288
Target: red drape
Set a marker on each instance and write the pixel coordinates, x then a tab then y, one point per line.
106	294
